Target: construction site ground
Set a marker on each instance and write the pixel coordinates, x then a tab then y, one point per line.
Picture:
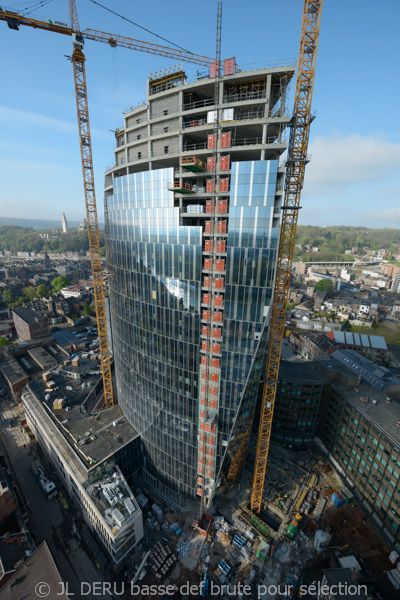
289	474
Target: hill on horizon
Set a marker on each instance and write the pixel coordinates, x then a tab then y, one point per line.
39	224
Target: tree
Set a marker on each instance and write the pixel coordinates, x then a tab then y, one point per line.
60	282
29	293
42	291
88	309
8	297
325	285
4	341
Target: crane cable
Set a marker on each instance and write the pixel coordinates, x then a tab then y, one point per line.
137	25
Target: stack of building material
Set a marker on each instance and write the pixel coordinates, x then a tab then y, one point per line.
46	376
162	560
223	537
58	404
51	384
76	361
158	513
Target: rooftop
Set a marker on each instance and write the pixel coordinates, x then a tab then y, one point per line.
93	437
379	377
39	567
28	315
306	372
362	340
14	549
374	406
11	368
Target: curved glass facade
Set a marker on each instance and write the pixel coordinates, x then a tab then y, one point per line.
155	299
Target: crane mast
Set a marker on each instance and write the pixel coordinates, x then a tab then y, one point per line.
78	62
294	177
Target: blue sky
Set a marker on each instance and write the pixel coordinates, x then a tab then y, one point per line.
354	175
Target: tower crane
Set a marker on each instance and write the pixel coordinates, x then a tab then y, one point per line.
14	20
294	178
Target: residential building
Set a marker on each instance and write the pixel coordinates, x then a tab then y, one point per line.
15	548
12	372
192	258
396	283
64	223
29	324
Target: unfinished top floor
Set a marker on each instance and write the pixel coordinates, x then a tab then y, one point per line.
178	117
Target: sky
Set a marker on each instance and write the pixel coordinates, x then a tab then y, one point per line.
354	174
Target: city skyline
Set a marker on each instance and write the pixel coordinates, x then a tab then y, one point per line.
352	177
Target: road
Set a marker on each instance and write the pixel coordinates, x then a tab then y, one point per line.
52	522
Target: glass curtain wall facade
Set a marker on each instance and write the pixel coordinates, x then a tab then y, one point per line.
155	298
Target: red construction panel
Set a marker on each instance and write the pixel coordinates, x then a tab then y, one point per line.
217	333
207	281
224	185
219	283
211	141
208	264
224	163
218	300
203	388
205	330
204	361
220	265
194	123
218	317
204	346
202	414
215	363
222	206
210	206
221	246
210	186
212	70
208	226
216	348
215	377
207	299
229	66
203	374
226	140
221	227
211	163
210	452
208	246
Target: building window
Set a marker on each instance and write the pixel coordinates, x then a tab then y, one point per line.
165	129
139	155
165	112
138	121
166	149
139	136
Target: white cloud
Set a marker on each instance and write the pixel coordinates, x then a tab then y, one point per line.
338	163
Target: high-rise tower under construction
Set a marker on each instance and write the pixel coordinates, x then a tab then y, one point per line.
192	217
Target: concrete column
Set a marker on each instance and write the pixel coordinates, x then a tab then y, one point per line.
267	95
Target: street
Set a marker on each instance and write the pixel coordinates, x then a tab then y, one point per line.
52	522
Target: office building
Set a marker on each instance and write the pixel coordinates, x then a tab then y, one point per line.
193	216
94	454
